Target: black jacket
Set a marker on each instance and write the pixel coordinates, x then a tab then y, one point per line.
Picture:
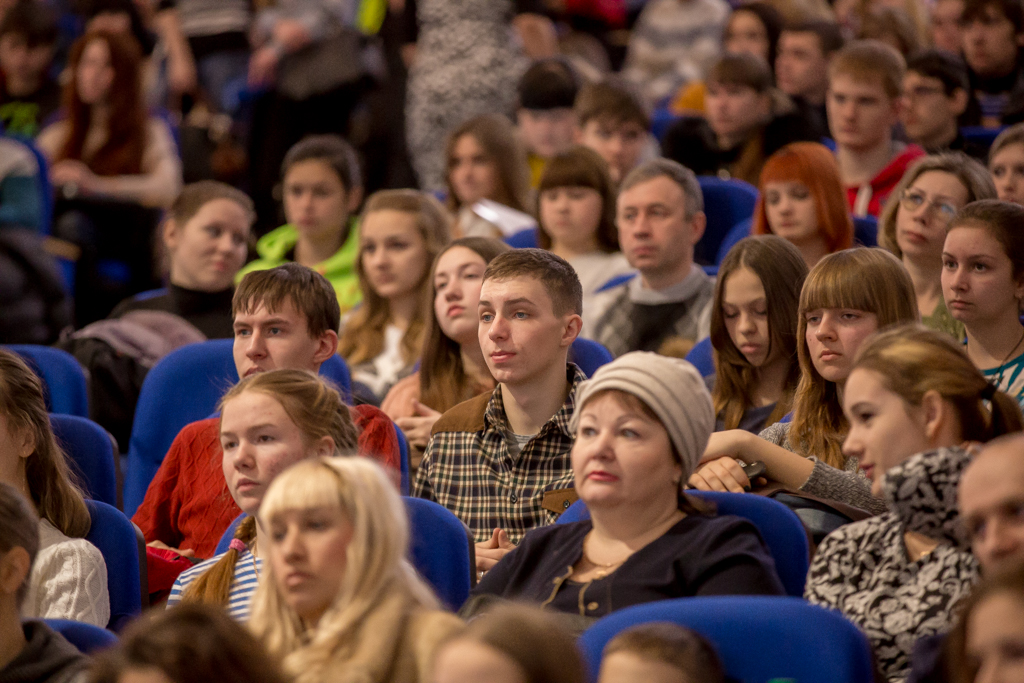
47	658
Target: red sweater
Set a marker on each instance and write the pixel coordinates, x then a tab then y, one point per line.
188	505
872	196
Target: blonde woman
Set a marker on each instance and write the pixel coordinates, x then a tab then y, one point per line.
401	232
340	601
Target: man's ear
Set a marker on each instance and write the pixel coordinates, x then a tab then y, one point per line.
355	198
327	346
171	234
571	330
935	412
15	565
959	100
698	223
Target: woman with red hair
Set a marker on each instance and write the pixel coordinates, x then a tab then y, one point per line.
803	201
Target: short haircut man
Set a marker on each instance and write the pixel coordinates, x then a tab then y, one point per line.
28	96
993	33
517	437
991	504
801	66
936	93
545	117
660	216
865	84
612	120
285	318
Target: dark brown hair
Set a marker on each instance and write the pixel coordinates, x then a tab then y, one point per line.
1003	220
328	149
559	279
612	100
195	196
308	291
781	269
19	528
742	69
497	136
582	167
668	643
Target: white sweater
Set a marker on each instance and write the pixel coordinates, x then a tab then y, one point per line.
68	580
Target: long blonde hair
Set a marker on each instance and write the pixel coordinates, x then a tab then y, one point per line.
870	280
375	561
363	336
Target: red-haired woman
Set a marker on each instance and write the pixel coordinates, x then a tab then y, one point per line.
802	200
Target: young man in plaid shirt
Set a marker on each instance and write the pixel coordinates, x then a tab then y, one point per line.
500	461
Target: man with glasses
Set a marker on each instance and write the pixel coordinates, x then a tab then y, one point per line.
936	94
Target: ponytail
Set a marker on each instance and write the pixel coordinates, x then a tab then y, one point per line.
1006	415
213	587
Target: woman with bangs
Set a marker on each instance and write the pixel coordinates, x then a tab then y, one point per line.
340	600
576	208
803	201
914	221
846	297
753	332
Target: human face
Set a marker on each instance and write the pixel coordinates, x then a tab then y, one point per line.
655	234
623	457
315	201
884	430
928	114
571	216
945	25
745	311
860	113
521	337
733	110
921	231
393	252
746	33
467	661
995	639
1007	169
990	44
977	277
95	74
833	337
278	340
801	68
792	212
473	174
259	441
22	65
457	279
308	553
547	132
627	667
620	143
209	249
991	505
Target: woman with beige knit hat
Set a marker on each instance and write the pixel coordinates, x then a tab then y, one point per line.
642	423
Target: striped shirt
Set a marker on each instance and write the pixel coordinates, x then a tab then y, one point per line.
1009	378
243	585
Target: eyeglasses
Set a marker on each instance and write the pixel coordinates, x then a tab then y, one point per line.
912	200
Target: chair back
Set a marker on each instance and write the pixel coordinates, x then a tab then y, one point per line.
93	454
403	452
86	637
524	239
865	231
441	549
758	638
124	552
64	385
726	203
589	355
739	231
229	533
701	356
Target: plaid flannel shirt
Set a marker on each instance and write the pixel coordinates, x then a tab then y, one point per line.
468	469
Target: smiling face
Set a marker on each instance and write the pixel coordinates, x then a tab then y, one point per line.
921	231
833	337
209	249
622	456
457	280
977	277
733	110
1007	169
315	200
571	216
393	253
745	311
278	340
860	113
995	639
473	174
991	505
95	74
308	554
792	212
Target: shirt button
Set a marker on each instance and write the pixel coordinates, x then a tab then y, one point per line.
514	498
592	606
565	504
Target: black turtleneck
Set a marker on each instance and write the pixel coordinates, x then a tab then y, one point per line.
208	311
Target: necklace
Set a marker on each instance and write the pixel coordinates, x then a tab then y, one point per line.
1002	366
603	570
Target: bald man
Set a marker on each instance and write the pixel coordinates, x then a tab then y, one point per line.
992	504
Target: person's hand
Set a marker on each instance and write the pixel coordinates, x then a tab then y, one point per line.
291	34
722	474
263	66
417	428
181	75
73	172
191	554
490	552
725	444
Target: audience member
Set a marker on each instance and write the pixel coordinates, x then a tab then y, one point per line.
641	425
911	399
892	26
69	576
914	221
500	461
1006	164
993	31
747	120
753	332
846	297
983	284
936	94
401	233
801	67
612	120
29	649
322	186
801	199
985	644
28	94
339	594
511	644
660	217
268	421
991	497
545	118
189	644
674	42
206	238
576	210
662	652
285	318
946	32
453	368
485	160
865	81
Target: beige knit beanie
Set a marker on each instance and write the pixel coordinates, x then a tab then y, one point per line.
670	387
